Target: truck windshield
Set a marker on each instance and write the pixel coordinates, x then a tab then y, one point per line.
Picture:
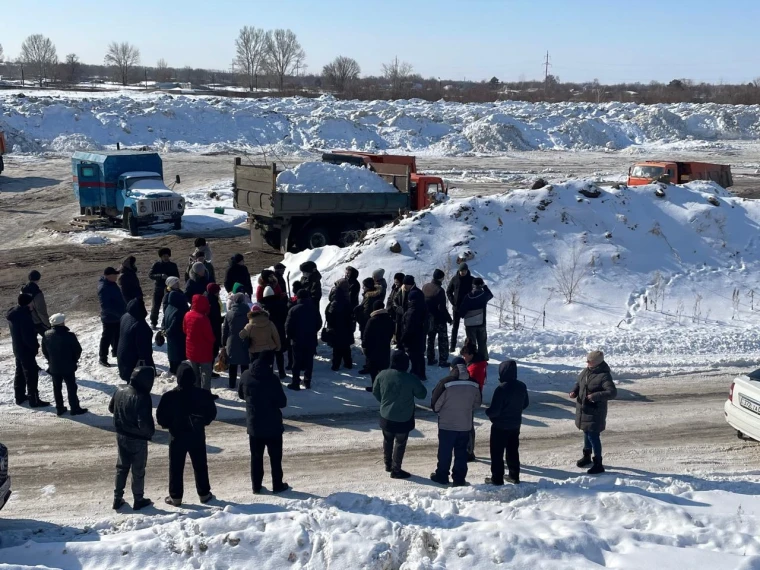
648	172
147	183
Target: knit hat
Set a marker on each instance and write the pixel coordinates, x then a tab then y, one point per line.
237	258
237	288
171	282
256	308
308	267
438	274
478	282
198	266
57	319
408	280
268	292
238	298
24	300
464	267
398	277
199	242
164	251
213	288
595	357
369	283
34	275
378	274
110	271
280	267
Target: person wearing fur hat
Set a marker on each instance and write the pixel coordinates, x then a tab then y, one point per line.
215	316
197	283
237	272
591	393
370	295
376	342
160	271
199	256
62	351
112	308
301	328
378	275
199	245
25	347
390	302
277	307
279	273
400	306
128	280
238	357
354	287
38	305
312	280
459	287
415	328
438	320
173	324
473	311
260	333
340	324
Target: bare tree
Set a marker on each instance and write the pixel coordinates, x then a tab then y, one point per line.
71	68
162	70
250	47
39	53
123	56
341	73
397	72
283	53
570	273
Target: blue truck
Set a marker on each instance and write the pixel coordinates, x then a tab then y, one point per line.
125	187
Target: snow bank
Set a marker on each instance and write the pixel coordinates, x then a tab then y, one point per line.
324	178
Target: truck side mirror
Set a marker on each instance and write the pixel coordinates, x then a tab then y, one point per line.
176	179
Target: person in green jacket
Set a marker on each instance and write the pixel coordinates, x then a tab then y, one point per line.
396	390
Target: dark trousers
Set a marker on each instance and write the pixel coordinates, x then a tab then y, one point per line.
273	445
452	442
394	447
158	298
454	332
593	440
280	358
303	361
478	337
417	358
342	352
442	332
26	378
110	337
173	365
471	441
133	455
233	370
41	329
71	390
505	442
179	448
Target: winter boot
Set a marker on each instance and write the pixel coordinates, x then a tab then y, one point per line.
440	480
141	503
492	481
281	488
471	457
597	468
512	480
206	498
36	402
79	411
295	385
460	484
62	410
118	503
431	362
104	362
21	399
400	474
585	461
173	502
364	371
307	383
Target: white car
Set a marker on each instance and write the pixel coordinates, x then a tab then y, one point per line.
5	478
742	408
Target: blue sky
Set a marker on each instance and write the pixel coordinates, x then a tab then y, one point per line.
612	40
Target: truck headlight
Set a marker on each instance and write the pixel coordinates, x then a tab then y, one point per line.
143	207
181	205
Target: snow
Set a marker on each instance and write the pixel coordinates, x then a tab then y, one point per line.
325	178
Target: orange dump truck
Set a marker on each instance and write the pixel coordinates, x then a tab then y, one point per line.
679	173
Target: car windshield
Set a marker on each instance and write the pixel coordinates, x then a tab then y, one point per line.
649	172
147	183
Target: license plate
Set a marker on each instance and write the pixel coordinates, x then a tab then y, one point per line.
751	405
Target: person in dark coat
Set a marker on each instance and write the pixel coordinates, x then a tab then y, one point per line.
159	273
277	307
174	317
473	311
400	306
112	308
237	272
376	343
132	411
215	316
459	287
267	278
25	347
312	280
197	282
39	306
591	394
279	273
505	412
264	400
390	304
200	256
236	348
413	339
186	411
370	293
135	340
128	280
341	324
62	351
378	275
438	320
301	328
354	287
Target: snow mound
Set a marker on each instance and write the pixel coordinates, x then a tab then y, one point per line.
203	209
89	238
325	178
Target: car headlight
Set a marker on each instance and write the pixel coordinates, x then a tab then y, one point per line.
142	207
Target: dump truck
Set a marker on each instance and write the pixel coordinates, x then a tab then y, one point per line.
679	173
298	221
124	187
2	151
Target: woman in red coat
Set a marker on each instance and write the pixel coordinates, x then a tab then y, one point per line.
199	344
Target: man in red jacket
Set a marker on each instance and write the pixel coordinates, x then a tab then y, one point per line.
199	344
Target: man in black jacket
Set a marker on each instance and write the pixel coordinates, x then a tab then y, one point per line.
509	400
438	320
400	306
112	307
25	347
62	351
38	306
135	340
354	287
301	328
128	281
264	400
279	273
459	287
378	334
132	411
473	311
312	281
237	272
415	319
159	273
186	411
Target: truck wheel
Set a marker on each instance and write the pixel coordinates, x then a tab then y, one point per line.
315	237
739	434
272	239
178	224
349	235
131	223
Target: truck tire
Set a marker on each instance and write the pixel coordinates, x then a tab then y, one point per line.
178	224
131	223
349	235
314	237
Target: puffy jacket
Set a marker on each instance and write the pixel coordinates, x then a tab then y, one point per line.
313	284
23	334
364	310
132	408
112	304
435	301
598	385
354	287
261	334
383	284
210	271
396	390
135	340
186	410
303	324
378	335
128	281
161	271
478	370
509	399
390	302
199	344
415	321
173	325
264	398
455	399
340	319
195	285
238	273
215	315
39	306
234	322
62	350
459	287
473	307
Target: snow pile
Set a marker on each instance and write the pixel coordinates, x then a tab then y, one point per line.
64	122
200	206
325	178
632	521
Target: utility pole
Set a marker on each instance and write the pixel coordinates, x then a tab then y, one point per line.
547	64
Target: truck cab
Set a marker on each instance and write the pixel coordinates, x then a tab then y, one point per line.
672	172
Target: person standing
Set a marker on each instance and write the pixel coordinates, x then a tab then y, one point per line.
173	325
396	390
376	343
279	273
473	312
112	308
199	256
186	411
197	282
236	348
200	339
390	305
341	325
459	287
128	280
591	394
238	288
62	351
438	320
277	307
477	368
378	275
215	316
505	412
135	340
38	305
160	272
260	333
413	338
200	245
268	279
354	287
25	347
370	293
237	272
400	306
312	281
455	400
301	328
264	401
132	411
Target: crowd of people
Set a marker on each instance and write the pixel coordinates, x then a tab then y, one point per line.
401	327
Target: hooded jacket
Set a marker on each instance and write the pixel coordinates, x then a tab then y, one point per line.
161	271
396	389
354	287
261	334
364	310
186	410
415	321
597	384
23	335
132	408
455	399
435	300
128	280
234	322
199	344
340	317
62	351
135	340
473	307
264	398
377	275
196	285
237	273
303	324
39	306
459	287
378	334
112	304
509	400
173	325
